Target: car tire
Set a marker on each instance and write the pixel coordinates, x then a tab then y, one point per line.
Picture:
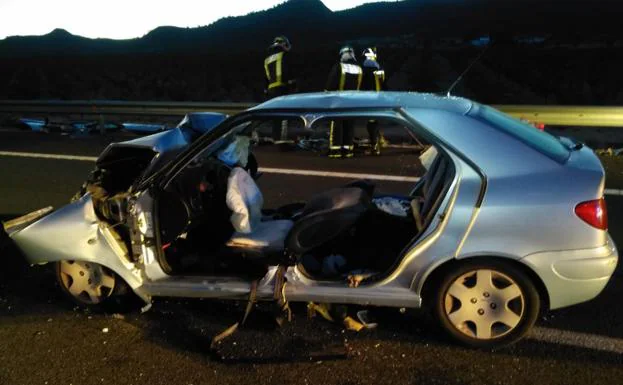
485	303
95	287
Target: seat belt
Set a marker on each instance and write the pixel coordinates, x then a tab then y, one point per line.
415	208
232	329
279	296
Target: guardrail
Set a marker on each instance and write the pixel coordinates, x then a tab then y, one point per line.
587	116
106	107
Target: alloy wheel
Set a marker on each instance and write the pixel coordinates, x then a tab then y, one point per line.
88	283
484	304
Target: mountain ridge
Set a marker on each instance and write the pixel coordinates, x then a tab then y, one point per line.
541	53
311	23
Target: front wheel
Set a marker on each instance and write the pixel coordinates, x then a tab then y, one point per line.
94	286
486	304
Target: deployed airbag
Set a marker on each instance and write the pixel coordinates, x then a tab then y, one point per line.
245	200
393	206
237	152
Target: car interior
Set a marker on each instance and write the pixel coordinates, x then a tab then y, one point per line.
352	228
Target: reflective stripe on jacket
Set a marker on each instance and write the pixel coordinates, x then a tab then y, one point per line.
379	79
350	77
373	76
273	65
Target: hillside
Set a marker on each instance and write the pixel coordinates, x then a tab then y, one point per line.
544	51
310	24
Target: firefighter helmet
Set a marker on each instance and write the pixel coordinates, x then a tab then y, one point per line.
370	53
346	49
347	52
283	42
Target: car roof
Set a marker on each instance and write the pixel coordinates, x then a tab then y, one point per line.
367	99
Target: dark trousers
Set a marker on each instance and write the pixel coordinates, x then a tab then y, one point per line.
280	128
341	135
373	134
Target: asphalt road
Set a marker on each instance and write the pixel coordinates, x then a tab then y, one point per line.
44	339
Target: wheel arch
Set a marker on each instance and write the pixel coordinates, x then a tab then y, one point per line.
429	282
122	272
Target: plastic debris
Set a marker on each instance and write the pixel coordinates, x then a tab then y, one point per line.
105	330
366	321
355	277
393	206
353	325
324	310
321	309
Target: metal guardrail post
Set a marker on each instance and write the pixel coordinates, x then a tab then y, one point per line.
105	107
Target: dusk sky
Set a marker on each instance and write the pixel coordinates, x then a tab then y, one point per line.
123	19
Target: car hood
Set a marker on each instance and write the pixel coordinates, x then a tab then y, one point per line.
158	143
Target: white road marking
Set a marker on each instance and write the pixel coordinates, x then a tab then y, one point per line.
48	156
268	170
576	339
331	174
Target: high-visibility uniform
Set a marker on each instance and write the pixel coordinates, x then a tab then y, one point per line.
344	76
278	83
274	68
373	76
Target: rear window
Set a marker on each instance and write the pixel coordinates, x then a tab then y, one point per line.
539	140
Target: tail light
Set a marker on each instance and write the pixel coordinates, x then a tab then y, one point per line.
594	213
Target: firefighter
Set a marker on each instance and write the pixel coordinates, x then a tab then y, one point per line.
373	80
279	81
347	74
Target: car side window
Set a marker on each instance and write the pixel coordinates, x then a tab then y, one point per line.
541	141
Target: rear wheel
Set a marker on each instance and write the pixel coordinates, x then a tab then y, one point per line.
93	286
486	304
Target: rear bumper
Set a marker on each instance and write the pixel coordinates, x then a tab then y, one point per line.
574	276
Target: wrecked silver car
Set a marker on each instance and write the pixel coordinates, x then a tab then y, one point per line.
482	241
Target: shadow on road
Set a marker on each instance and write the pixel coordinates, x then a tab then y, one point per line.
188	326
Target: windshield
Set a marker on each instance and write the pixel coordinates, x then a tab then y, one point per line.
541	141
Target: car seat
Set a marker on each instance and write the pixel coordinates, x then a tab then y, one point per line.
325	217
254	236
